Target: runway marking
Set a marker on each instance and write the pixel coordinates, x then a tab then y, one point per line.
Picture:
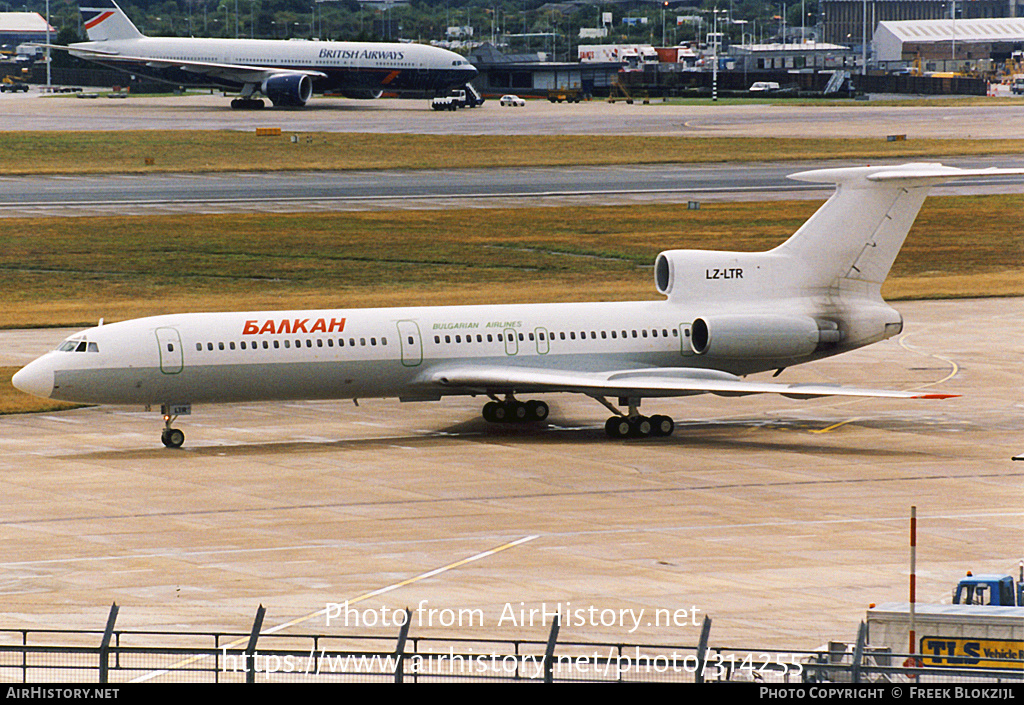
902	341
836	425
955	368
365	596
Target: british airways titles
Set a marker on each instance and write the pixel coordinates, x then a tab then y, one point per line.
364	54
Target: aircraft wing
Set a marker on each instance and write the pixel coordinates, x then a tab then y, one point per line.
239	73
653	382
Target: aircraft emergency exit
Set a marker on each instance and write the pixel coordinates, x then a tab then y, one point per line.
725	315
287	72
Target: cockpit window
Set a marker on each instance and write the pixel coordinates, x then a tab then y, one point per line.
78	346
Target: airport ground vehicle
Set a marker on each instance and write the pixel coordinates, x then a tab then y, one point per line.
462	98
11	85
983	628
1017	85
512	101
997	590
565	95
764	87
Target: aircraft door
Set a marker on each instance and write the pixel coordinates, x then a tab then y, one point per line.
543	341
411	343
511	342
172	352
685	344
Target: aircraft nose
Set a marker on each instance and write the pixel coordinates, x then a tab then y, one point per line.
35	378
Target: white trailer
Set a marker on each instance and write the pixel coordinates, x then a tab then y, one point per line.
951	636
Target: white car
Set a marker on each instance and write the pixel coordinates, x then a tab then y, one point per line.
513	100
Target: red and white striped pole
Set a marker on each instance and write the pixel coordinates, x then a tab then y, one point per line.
913	577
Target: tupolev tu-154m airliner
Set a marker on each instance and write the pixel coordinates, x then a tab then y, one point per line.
725	315
285	71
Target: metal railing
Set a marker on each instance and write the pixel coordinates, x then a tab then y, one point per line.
141	656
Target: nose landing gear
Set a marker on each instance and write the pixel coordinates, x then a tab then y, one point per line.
172	437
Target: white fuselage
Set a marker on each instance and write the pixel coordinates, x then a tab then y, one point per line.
358	353
345	65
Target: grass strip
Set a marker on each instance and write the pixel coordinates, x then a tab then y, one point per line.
188	151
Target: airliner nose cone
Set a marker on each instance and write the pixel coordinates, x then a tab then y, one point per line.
34	379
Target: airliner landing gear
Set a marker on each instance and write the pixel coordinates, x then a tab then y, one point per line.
171	437
632	424
247	103
513	411
639	426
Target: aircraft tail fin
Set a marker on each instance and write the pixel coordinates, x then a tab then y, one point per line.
104	20
851	242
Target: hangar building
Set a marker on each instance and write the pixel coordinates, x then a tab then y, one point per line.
21	27
843	20
995	38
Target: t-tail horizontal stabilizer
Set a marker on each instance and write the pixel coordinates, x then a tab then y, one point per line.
851	242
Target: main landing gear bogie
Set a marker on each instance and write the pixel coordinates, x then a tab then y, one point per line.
514	411
639	426
247	103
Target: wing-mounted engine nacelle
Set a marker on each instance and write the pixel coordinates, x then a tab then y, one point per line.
762	336
705	275
362	93
288	89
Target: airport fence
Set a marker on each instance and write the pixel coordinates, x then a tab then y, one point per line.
113	656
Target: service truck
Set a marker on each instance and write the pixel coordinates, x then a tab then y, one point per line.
462	98
983	628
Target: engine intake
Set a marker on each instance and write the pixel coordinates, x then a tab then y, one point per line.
288	89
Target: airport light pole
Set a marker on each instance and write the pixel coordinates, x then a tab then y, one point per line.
864	42
954	34
49	85
664	6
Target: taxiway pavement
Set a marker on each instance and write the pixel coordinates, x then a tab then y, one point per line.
780	519
391	116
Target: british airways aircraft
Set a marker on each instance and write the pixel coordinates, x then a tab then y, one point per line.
725	315
285	72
